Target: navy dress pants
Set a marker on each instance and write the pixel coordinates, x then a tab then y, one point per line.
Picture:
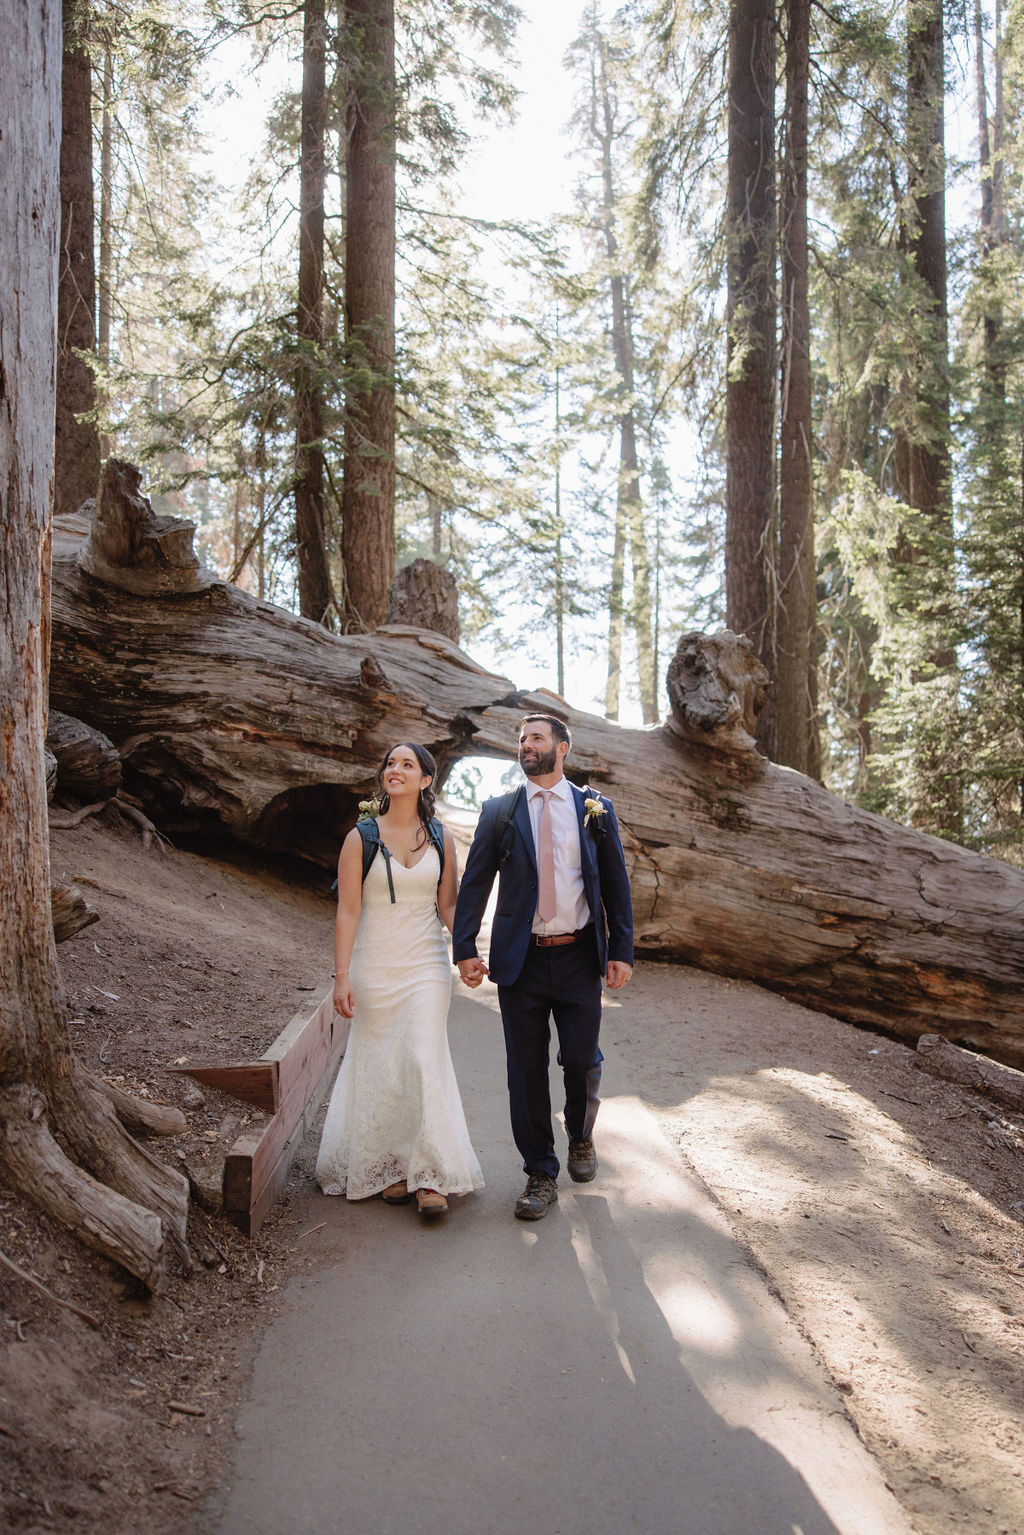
562	983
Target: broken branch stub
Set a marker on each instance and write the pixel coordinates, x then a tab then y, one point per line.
130	547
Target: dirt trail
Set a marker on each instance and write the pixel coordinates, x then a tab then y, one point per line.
883	1207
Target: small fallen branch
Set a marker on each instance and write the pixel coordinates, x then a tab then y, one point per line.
37	1284
187	1409
69	912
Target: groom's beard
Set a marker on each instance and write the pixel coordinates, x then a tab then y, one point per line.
536	764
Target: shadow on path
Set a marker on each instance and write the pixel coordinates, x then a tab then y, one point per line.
617	1367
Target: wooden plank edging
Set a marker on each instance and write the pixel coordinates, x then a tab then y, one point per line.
256	1168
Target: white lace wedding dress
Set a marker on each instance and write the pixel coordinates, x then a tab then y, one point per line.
395	1111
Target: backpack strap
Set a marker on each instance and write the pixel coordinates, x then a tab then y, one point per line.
370	834
435	831
505	814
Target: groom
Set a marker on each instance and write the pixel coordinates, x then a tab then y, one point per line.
564	922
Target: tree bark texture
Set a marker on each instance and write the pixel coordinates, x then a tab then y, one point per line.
929	467
316	599
129	545
231	713
425	595
77	453
629	511
105	275
995	365
795	652
88	765
368	486
60	1143
750	380
70	911
941	1059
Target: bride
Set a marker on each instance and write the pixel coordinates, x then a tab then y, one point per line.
395	1125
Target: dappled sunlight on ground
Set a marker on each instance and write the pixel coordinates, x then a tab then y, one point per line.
869	1192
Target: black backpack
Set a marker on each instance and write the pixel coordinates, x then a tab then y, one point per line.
370	833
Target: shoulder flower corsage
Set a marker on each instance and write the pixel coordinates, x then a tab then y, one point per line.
594	813
369	809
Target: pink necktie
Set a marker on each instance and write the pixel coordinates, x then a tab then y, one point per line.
546	861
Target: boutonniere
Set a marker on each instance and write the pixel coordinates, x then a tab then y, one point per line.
369	809
594	813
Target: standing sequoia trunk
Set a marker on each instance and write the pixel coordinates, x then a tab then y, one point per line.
928	557
77	453
795	724
629	510
60	1142
368	488
315	597
750	381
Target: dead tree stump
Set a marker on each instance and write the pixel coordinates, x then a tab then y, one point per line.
130	547
424	595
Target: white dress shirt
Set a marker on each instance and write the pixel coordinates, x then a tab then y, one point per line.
571	909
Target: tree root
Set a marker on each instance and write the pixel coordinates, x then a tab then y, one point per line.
67	820
132	812
102	1218
140	1117
96	1138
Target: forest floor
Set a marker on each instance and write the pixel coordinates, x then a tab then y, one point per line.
883	1207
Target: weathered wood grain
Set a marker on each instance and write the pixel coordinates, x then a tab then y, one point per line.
70	911
88	765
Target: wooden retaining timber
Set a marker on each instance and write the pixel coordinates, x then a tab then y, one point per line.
289	1081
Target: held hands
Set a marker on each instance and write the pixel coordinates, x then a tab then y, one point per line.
344	1001
618	974
472	970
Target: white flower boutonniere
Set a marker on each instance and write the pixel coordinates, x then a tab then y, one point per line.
594	814
369	809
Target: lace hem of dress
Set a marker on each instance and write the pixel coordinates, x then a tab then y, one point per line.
380	1177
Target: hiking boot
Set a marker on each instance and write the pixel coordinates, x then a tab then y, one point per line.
540	1192
582	1161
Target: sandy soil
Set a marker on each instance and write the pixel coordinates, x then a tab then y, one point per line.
884	1208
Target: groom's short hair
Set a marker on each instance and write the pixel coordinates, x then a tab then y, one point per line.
559	729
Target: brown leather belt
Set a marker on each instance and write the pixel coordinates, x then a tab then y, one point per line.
555	940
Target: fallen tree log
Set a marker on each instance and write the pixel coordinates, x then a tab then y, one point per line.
953	1064
230	713
88	765
233	715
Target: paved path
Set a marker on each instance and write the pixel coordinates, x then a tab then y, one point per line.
619	1366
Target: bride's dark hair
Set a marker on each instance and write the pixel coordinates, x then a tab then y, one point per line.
427	798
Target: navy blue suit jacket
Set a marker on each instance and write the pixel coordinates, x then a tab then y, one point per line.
512	857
